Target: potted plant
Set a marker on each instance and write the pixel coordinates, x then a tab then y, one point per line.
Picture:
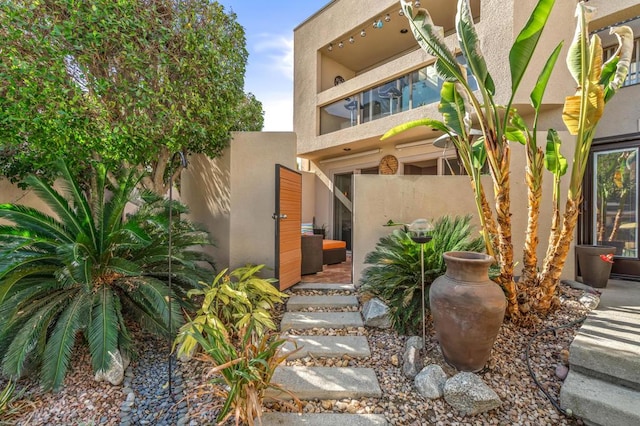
595	264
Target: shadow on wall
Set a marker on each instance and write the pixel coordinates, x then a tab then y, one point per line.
216	185
206	190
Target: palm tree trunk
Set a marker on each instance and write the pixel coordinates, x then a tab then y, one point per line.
534	195
487	220
552	268
501	182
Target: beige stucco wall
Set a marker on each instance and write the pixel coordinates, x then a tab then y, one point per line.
622	113
612	12
405	198
12	194
234	196
308	197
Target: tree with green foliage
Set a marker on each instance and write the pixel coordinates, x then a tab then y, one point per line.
89	271
121	83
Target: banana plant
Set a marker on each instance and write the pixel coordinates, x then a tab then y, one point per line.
597	82
501	125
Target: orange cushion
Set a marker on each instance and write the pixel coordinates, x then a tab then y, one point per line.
333	244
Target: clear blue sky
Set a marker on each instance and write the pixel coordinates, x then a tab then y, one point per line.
269	28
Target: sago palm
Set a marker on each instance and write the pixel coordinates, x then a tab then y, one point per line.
85	269
395	276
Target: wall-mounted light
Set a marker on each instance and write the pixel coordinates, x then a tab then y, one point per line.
330	48
363	33
400	12
416	3
387	18
378	23
341	45
352	40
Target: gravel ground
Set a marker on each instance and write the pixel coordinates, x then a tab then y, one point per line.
85	402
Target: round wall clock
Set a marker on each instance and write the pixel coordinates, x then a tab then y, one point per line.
388	165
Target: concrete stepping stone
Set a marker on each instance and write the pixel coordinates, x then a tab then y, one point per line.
307	320
297	303
326	419
599	401
325	383
328	346
323	287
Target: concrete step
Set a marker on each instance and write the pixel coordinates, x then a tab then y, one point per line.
306	320
323	287
328	346
326	383
607	347
297	303
600	402
327	419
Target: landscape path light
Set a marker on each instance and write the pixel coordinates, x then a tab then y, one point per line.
420	232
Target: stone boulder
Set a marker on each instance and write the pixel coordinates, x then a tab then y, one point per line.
467	393
115	374
430	381
376	314
411	361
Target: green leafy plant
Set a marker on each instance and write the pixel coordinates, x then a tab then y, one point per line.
243	369
395	276
461	105
232	302
82	269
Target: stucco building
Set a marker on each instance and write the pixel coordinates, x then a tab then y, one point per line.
358	72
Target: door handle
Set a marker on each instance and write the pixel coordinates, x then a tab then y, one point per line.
281	217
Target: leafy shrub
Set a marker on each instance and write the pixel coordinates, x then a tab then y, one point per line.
395	276
231	303
80	271
242	370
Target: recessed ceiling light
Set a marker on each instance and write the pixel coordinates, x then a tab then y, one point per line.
404	31
346	149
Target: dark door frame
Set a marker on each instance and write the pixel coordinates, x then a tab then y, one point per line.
623	268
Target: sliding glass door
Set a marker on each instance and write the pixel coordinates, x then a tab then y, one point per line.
610	211
616	206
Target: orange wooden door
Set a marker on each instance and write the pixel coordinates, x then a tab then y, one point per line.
288	218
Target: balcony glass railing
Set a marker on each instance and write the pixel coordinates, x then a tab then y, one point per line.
418	88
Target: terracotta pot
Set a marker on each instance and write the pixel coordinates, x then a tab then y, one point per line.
468	309
593	270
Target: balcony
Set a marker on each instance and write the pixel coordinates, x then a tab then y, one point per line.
415	89
633	77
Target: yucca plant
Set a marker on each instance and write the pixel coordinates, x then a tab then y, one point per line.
243	369
501	125
81	271
229	304
395	277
